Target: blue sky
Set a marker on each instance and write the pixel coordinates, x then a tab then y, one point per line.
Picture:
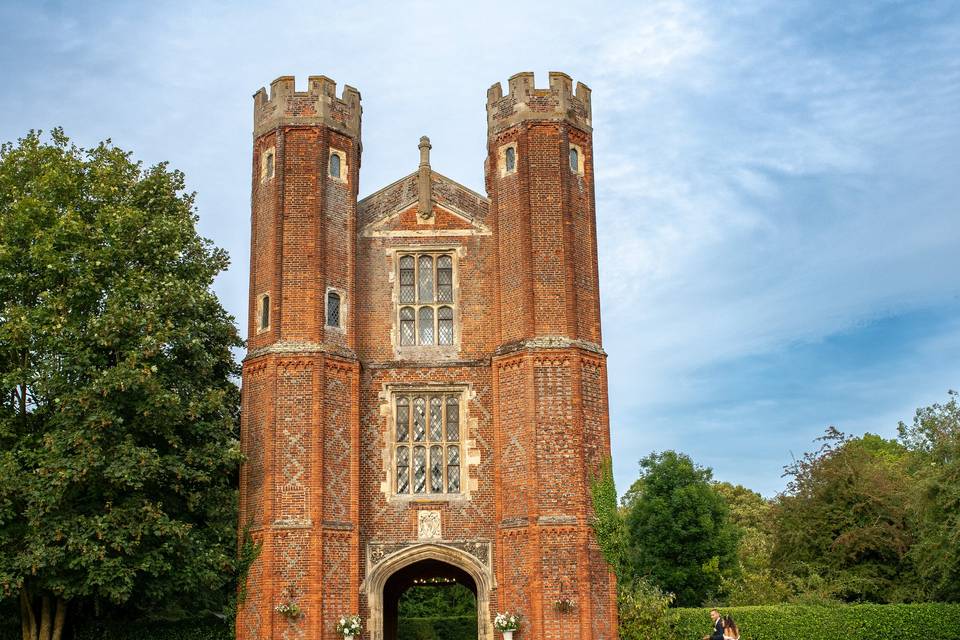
778	184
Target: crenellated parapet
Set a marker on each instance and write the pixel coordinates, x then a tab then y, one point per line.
525	102
319	104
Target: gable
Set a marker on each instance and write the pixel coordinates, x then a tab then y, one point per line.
392	211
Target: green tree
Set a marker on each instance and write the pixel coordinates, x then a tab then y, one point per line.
844	519
934	442
756	582
118	414
680	536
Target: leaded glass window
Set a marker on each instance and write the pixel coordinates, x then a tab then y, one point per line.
403	469
425	299
407	289
333	309
510	159
407	326
427	442
335	165
445	325
574	160
425	320
444	279
419	469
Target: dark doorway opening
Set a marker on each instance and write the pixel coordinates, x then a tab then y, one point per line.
430	600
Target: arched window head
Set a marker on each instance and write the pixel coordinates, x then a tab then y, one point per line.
574	160
333	309
510	159
264	312
335	165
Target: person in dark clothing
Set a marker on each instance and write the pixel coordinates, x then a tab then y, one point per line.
717	626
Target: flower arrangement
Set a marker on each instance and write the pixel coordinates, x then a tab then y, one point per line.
289	609
506	621
349	626
563	605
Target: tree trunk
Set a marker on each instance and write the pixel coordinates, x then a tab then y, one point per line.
28	624
44	618
59	619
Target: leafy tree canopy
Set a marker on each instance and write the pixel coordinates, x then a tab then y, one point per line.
845	516
680	536
934	442
118	415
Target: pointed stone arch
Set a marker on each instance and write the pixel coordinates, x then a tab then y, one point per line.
378	575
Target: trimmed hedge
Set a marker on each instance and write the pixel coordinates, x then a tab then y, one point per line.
451	628
929	621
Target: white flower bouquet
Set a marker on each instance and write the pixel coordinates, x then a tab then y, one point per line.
506	621
349	625
289	609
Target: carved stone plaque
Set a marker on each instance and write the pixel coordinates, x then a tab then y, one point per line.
428	525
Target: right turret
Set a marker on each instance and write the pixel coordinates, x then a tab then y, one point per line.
539	176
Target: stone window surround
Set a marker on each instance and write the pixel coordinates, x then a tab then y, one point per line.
266	154
260	328
344	169
579	150
434	351
469	453
342	327
502	158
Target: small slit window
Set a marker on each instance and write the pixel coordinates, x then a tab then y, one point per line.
333	309
510	160
269	165
335	165
574	160
264	313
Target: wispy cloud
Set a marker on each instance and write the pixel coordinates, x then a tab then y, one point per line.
773	178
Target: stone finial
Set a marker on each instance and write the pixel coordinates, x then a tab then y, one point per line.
424	188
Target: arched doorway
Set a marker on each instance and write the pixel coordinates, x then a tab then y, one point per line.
419	579
397	572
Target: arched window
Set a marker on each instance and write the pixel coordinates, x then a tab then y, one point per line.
445	325
335	165
269	170
264	312
333	309
574	160
407	329
425	320
407	279
444	279
510	159
425	274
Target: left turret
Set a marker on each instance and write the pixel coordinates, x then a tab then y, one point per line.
306	161
299	431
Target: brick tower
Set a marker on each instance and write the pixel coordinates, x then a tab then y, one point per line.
424	395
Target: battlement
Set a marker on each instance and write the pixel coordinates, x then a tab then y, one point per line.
319	104
525	102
